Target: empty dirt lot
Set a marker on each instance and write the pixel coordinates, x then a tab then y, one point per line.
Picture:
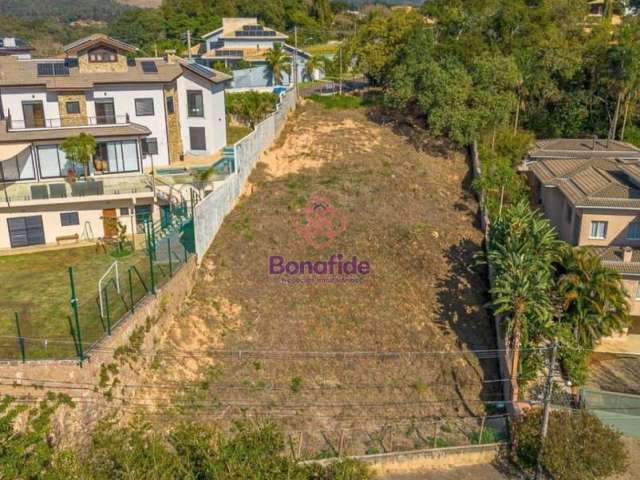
253	345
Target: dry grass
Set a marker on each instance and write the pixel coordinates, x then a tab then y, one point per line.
411	216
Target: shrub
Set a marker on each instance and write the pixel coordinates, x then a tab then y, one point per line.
250	108
574	446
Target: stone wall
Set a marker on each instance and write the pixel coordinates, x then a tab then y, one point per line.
85	66
72	119
174	137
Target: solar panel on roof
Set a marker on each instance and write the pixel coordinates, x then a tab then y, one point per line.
201	69
52	69
149	66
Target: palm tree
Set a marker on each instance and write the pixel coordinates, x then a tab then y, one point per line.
278	62
315	62
593	298
522	249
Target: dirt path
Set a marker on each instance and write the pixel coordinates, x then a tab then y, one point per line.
396	201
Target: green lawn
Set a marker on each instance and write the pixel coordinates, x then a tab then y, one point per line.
37	287
236	133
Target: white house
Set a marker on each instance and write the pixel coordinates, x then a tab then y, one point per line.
15	47
244	42
143	112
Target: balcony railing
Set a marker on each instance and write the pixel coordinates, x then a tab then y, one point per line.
68	122
76	190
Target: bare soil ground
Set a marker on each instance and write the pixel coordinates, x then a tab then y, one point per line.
408	211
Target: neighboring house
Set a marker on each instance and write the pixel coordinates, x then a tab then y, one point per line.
143	112
590	191
243	42
15	47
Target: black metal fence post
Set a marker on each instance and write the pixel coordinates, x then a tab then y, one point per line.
23	353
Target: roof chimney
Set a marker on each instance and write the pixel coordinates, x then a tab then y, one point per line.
170	56
627	254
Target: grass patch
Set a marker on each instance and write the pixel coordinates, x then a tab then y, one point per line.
235	133
327	48
36	286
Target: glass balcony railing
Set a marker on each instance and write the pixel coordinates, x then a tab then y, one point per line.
24	192
67	122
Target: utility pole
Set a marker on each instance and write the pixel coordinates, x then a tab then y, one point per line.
189	44
547	406
295	59
340	79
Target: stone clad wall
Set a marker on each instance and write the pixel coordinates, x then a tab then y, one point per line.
85	66
72	119
174	137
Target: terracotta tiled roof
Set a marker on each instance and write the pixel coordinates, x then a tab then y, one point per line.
612	257
583	148
97	38
592	182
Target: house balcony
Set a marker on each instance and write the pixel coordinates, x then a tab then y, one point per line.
60	191
14	130
67	122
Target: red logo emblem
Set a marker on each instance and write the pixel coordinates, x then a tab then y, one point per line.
321	224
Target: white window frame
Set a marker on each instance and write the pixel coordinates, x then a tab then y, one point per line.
593	236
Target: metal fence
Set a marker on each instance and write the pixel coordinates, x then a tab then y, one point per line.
210	212
89	303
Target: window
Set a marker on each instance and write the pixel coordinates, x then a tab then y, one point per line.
119	156
69	218
53	162
143	214
105	111
195	103
18	168
598	230
633	232
25	231
197	138
149	146
170	107
103	55
73	107
144	107
33	114
124	212
569	213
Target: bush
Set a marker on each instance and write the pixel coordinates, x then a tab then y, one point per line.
574	448
250	108
632	135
